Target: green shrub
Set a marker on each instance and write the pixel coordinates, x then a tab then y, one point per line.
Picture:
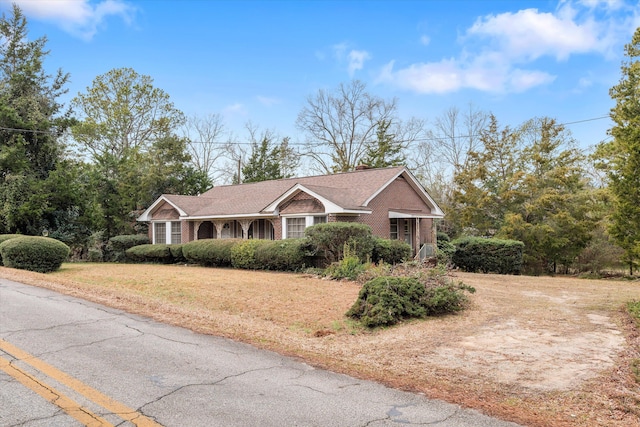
329	239
349	267
94	255
159	253
445	252
176	253
283	255
390	251
5	237
210	252
442	237
118	245
387	300
34	253
475	254
243	254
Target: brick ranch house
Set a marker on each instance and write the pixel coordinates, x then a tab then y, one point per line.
390	200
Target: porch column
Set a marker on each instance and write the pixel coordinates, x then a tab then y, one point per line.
219	225
417	235
196	229
245	224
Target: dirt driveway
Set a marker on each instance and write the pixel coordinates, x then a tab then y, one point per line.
540	351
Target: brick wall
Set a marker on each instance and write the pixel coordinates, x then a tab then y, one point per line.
302	203
399	195
165	211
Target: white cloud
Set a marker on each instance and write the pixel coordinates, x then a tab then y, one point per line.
499	52
529	34
353	58
237	109
78	17
267	101
356	60
425	40
451	75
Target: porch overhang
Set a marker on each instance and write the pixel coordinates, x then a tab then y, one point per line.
401	213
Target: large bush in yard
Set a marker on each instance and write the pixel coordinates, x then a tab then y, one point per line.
210	252
118	245
158	253
329	240
283	255
474	254
387	300
390	251
34	253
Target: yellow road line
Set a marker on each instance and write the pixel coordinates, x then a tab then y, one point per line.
54	396
88	392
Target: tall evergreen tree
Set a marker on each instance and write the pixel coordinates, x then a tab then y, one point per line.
263	163
621	156
31	122
385	151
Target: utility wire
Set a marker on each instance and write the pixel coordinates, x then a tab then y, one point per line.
301	144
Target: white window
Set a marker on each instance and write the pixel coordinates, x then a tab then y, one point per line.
393	229
159	232
295	227
176	232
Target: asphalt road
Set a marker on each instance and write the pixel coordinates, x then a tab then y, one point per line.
68	362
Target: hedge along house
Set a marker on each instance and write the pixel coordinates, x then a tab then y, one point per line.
390	200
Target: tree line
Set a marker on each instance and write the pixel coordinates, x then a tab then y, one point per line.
84	172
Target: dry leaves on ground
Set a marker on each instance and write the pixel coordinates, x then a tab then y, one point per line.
539	351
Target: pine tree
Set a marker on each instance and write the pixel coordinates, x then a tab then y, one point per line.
621	156
31	122
385	151
264	163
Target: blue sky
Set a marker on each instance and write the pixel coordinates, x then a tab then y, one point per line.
258	61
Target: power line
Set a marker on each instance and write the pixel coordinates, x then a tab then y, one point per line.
35	131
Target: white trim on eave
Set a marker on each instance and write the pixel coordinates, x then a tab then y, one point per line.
146	215
436	212
329	206
230	216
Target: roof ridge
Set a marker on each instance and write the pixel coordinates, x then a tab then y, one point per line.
309	176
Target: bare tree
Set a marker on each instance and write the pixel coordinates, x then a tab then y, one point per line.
455	134
207	143
341	125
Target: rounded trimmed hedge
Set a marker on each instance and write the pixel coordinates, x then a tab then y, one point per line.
34	253
118	245
283	255
158	253
5	237
475	254
210	252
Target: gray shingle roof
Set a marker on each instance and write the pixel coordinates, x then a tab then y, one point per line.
349	190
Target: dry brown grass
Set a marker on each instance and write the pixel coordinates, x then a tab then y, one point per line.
540	351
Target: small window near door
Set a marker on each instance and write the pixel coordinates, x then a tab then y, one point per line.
160	232
393	229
